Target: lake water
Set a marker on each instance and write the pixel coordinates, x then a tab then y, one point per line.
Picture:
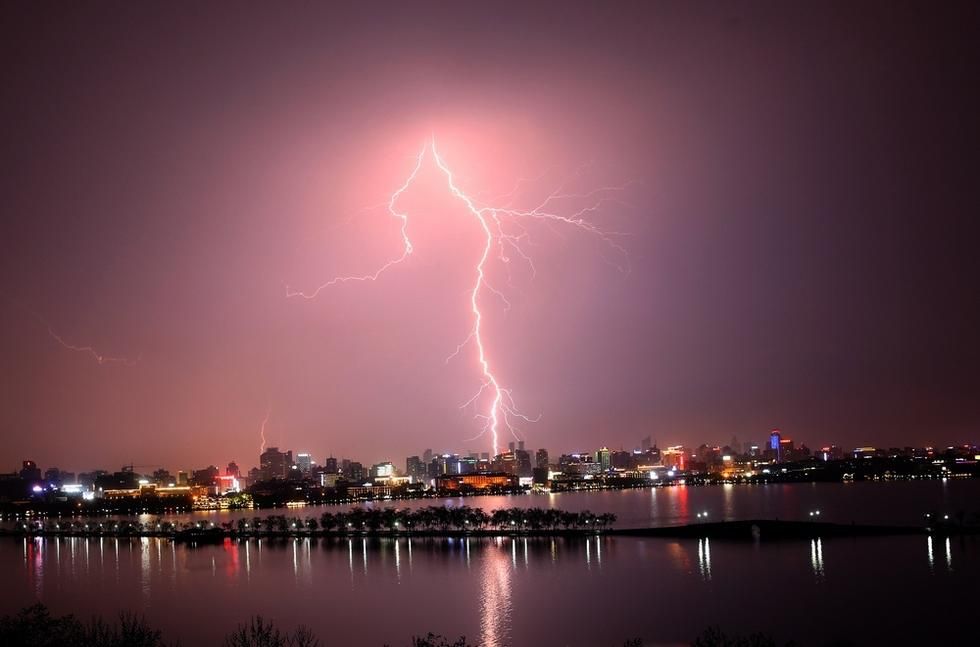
598	591
868	502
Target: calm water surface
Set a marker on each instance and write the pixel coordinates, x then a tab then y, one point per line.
599	591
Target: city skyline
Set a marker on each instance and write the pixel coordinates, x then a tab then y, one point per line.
750	447
798	252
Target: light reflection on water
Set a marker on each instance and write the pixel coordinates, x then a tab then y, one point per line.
489	584
816	557
495	606
704	558
895	502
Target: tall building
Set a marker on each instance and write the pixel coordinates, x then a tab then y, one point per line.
603	457
541	459
645	444
427	456
357	472
304	462
352	470
275	464
775	446
787	450
232	470
522	458
330	465
674	457
414	467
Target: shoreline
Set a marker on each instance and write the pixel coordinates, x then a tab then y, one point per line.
59	509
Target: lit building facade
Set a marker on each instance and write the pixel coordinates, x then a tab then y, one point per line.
479	481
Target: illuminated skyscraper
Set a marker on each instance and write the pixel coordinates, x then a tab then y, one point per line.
304	462
603	458
775	446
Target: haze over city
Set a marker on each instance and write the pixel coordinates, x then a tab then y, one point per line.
795	186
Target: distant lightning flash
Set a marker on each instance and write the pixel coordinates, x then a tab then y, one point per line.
101	358
502	411
406	251
265	421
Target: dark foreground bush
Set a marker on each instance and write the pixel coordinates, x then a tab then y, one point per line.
432	640
260	633
36	627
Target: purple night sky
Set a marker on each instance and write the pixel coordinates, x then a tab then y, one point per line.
799	219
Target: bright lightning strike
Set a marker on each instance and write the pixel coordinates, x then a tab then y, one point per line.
496	222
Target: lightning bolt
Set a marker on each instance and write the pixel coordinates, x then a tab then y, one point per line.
265	421
495	222
406	250
99	357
